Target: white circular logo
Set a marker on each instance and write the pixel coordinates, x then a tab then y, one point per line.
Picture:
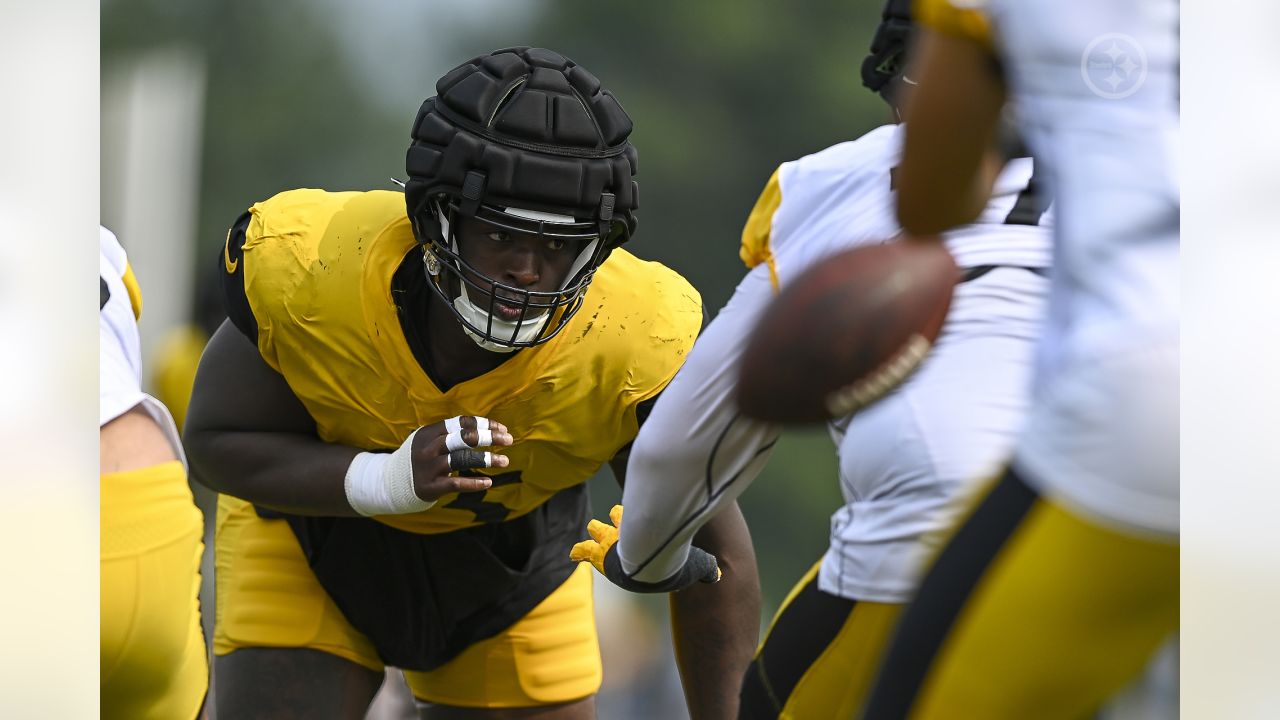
1114	66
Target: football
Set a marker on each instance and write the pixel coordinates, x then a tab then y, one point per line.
847	331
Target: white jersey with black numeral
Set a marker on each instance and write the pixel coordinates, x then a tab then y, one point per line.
903	461
120	354
842	197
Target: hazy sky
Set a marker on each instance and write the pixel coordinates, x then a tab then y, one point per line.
396	43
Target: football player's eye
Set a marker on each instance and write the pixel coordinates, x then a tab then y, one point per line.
499	237
556	243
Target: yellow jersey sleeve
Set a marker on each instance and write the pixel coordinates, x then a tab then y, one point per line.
755	234
956	18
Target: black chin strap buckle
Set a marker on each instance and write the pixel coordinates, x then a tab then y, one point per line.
606	207
604	215
472	192
426	227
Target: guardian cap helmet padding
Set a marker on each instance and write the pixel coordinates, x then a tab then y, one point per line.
524	140
883	69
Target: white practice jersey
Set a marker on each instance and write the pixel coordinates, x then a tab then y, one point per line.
842	197
120	353
1095	87
695	453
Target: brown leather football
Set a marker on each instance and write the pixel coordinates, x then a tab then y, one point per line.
847	331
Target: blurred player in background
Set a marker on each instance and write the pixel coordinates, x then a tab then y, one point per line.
902	461
407	401
177	354
153	658
1058	587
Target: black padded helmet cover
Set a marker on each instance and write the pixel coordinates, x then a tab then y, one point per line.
883	68
528	128
519	130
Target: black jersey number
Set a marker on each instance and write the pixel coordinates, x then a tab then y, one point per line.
1030	206
486	511
1031	202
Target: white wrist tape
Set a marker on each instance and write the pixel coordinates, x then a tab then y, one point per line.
382	483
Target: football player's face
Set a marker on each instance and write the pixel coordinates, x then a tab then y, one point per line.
521	260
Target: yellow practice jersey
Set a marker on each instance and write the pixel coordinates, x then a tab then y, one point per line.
317	271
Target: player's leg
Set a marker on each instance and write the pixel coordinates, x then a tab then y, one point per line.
153	659
584	709
282	648
545	666
271	683
819	656
1030	611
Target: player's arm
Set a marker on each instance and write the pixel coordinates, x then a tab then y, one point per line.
694	455
692	458
697	453
131	441
247	435
949	161
715	626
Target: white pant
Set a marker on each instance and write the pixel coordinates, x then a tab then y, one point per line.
906	459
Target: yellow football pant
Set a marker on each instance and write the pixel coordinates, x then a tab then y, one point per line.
1031	611
819	656
152	654
269	597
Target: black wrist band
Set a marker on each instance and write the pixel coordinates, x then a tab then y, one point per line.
700	567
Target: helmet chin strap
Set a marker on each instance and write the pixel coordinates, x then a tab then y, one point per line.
506	330
498	328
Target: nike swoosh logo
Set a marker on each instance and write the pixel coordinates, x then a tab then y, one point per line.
226	256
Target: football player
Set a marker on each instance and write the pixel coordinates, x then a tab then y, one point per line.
1058	587
902	461
406	403
152	651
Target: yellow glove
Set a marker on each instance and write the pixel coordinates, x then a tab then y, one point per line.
602	538
599	551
